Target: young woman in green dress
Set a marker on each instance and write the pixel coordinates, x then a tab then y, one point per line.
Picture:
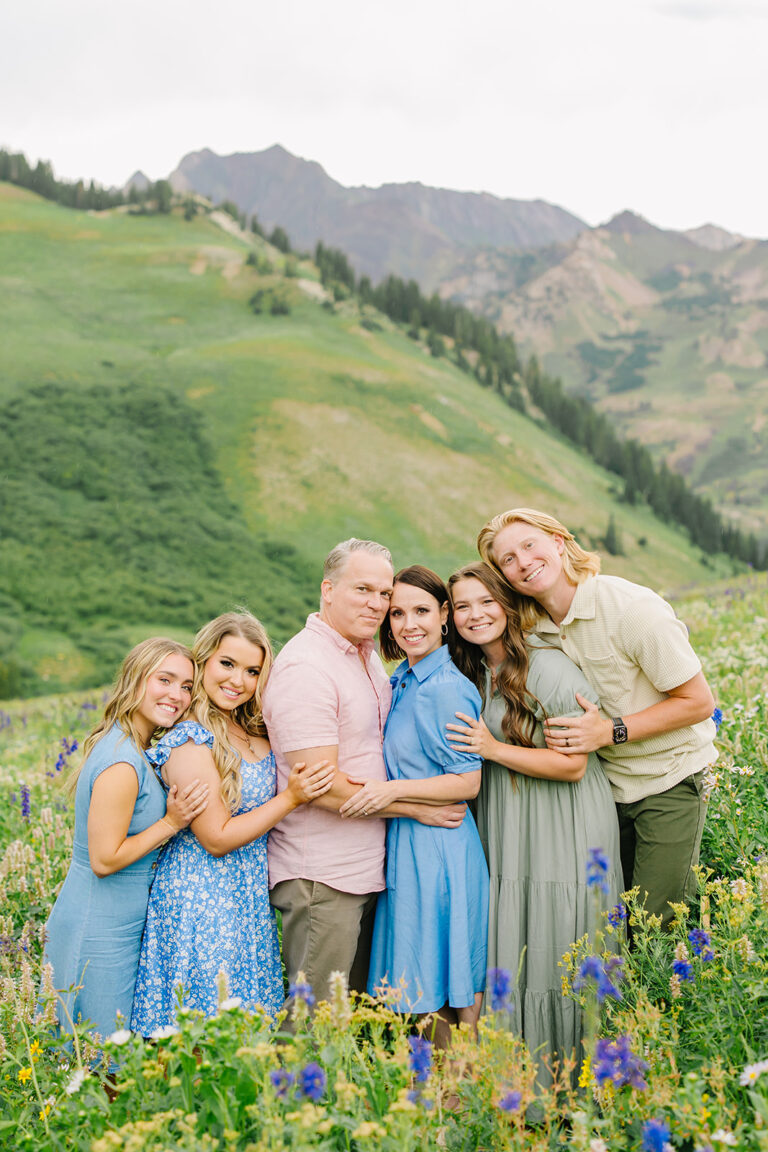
538	812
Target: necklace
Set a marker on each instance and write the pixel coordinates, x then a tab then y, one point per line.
240	734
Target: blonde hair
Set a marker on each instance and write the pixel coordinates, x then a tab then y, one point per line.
578	564
249	716
127	694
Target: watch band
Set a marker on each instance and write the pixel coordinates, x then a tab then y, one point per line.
619	730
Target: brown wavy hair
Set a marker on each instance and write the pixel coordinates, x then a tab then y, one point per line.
417	576
578	564
249	716
127	694
519	720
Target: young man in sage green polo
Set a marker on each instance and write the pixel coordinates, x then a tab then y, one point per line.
653	729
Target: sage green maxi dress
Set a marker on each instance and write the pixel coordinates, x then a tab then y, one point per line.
536	835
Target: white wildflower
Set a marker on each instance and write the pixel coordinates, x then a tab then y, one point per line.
752	1072
164	1032
121	1036
724	1136
75	1081
230	1003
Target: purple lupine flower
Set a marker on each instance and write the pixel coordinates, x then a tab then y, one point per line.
26	806
617	915
597	870
700	942
281	1082
683	969
655	1135
593	968
615	1061
511	1102
312	1082
500	984
302	992
717	716
421	1057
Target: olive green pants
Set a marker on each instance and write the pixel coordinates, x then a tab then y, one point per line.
325	931
660	838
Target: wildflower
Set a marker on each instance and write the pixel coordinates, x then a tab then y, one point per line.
75	1081
312	1082
341	1009
683	969
717	716
24	1074
674	987
655	1135
700	942
511	1101
121	1036
35	1049
752	1072
739	888
724	1136
26	806
163	1033
500	983
230	1004
597	870
421	1057
592	968
598	1145
303	992
617	915
615	1061
281	1082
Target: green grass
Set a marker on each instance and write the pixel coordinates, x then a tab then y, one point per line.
169	453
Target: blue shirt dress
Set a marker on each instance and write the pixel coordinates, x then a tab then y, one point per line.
93	935
209	914
431	926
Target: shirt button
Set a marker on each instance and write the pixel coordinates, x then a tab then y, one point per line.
562	635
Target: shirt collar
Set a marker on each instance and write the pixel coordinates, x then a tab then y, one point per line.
316	624
583	607
424	667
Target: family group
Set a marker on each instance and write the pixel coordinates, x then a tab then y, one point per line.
414	830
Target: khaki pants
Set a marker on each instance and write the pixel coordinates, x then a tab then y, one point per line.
660	838
325	931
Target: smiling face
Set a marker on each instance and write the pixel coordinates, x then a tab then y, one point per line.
167	693
231	674
416	619
355	602
531	560
477	617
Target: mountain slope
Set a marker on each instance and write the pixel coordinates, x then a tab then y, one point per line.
170	453
667	335
407	229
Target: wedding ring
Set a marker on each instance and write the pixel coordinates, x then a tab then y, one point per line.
567	742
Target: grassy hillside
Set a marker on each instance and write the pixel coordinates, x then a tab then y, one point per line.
168	453
669	337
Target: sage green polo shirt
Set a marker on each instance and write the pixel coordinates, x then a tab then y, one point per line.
632	648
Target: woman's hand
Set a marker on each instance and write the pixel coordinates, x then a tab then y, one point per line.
306	784
472	737
181	808
578	735
372	797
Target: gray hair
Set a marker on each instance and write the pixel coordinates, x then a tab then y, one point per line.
338	556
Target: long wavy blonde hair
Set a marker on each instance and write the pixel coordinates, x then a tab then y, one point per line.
248	715
519	719
127	694
578	564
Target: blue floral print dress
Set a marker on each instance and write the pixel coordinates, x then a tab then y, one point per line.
209	914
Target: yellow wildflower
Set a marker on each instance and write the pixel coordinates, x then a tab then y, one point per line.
24	1074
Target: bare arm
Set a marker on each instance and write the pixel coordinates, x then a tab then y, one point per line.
474	736
217	829
443	813
687	704
113	799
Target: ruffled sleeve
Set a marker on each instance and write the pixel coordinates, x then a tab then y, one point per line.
175	737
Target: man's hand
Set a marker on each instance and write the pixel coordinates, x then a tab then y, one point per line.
578	735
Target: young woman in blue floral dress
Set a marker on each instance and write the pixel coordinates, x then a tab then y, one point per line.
209	910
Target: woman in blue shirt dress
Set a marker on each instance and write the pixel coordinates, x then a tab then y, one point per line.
209	910
122	818
429	938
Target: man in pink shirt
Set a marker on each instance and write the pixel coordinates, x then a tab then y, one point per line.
327	698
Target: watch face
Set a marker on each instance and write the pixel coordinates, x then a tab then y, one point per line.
619	733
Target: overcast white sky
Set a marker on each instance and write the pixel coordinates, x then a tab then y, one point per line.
660	106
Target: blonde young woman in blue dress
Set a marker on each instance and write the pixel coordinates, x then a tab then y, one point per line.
122	819
209	910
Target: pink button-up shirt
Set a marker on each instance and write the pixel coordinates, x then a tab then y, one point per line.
319	694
